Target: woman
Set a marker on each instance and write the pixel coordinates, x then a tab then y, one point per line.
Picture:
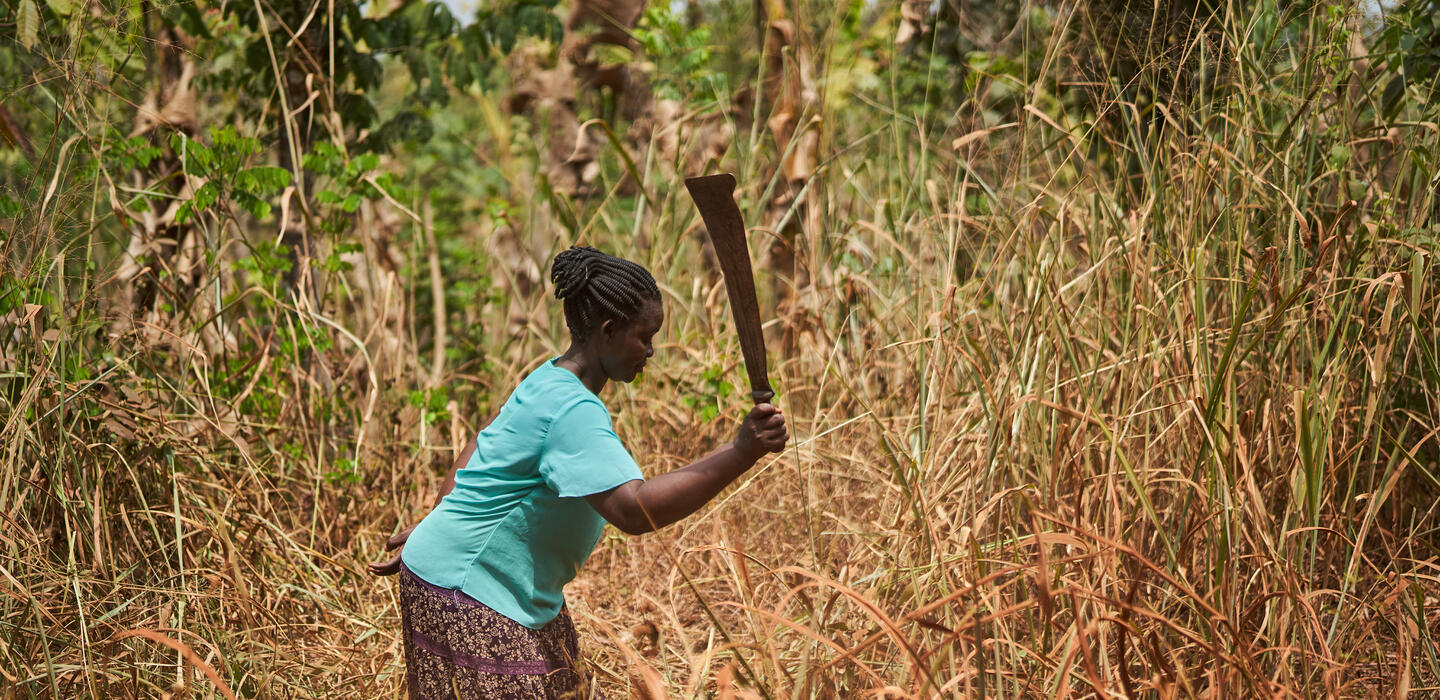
481	597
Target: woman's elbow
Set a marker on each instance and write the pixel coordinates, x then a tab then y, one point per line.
634	524
635	520
633	529
621	508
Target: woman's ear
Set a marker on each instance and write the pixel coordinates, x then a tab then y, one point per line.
608	327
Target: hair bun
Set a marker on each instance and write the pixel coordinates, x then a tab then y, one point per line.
596	287
571	271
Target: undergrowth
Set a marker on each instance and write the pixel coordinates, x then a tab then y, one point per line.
1097	385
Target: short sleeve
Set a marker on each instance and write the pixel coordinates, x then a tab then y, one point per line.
582	454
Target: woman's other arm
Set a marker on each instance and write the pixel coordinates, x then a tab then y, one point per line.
397	540
638	507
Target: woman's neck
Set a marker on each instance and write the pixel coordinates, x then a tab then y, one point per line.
585	365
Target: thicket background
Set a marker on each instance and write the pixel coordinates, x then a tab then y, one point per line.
1106	330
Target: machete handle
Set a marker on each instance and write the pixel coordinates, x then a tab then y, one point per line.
762	396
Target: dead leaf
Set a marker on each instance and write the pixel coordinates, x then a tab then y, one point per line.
13	134
912	21
974	136
646	633
120	425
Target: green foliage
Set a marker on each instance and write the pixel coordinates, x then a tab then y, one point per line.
1411	41
128	153
269	261
709	394
185	15
423	35
223	166
346	471
502	24
678	57
9	207
998	82
432	404
1069	317
344	184
961	58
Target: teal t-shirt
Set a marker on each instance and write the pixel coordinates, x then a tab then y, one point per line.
517	528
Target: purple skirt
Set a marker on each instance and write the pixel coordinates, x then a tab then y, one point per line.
456	648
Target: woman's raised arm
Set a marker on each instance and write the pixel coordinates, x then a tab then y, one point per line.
638	507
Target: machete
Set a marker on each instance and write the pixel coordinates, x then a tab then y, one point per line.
714	197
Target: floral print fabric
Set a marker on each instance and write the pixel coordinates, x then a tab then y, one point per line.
456	648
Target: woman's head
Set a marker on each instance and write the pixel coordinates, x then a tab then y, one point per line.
611	300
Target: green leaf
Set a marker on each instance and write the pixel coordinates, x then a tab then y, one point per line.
203	199
60	7
1339	155
264	179
356	108
383	183
438	398
193	154
10	208
206	195
438	20
27	21
363	164
257	207
325	160
191	21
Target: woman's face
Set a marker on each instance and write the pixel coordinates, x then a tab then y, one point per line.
626	346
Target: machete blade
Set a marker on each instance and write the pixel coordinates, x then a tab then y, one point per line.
714	197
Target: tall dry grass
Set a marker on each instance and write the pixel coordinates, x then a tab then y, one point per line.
1099	398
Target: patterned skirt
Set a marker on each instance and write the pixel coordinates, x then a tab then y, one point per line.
456	648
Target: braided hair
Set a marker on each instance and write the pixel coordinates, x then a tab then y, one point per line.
596	287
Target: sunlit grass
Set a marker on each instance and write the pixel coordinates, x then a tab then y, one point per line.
1110	399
